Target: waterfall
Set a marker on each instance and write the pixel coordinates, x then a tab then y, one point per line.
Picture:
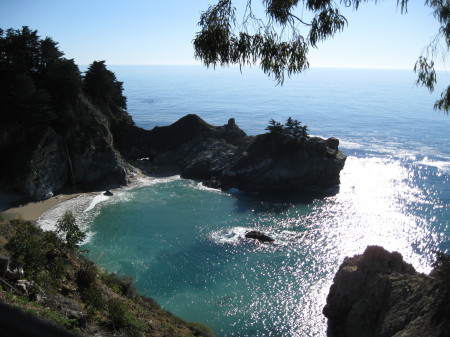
70	165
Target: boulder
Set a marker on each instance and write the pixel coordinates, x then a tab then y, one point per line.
108	193
261	237
378	294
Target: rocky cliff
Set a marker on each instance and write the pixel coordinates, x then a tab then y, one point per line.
38	160
377	294
226	157
90	154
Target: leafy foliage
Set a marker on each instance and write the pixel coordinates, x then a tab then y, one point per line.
101	84
40	86
38	252
67	228
122	319
292	128
26	249
424	66
279	42
121	285
36	81
41	253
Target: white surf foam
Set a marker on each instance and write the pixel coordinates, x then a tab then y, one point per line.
87	206
236	236
150	181
96	200
229	236
201	187
441	165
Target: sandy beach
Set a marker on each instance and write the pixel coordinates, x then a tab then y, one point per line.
16	206
13	205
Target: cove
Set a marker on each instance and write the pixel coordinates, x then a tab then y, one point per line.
184	244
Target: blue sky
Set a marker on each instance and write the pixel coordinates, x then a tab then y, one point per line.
161	32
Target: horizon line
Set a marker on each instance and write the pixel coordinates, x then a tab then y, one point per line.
255	66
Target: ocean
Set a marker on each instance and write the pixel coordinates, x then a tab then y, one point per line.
184	244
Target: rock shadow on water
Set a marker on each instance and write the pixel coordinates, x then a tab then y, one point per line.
279	202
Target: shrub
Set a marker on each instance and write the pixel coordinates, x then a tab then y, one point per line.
292	128
93	298
200	330
121	285
38	252
86	275
26	248
122	319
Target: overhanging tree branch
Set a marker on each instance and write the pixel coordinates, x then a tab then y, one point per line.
278	43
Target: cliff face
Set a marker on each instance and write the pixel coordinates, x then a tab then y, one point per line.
40	159
95	161
377	294
34	160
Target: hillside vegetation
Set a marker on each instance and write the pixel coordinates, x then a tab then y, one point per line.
48	278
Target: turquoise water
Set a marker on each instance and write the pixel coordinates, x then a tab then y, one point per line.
184	244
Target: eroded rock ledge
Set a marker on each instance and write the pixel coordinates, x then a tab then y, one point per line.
378	294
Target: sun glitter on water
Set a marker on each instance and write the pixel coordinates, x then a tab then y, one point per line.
185	245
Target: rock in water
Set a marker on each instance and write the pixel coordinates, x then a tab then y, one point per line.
262	163
378	294
280	163
108	193
261	237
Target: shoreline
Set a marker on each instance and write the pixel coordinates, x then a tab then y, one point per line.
31	210
14	205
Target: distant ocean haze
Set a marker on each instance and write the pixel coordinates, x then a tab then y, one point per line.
185	244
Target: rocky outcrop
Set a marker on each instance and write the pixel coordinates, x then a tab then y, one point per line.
225	157
170	143
378	294
261	237
200	150
88	153
280	163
